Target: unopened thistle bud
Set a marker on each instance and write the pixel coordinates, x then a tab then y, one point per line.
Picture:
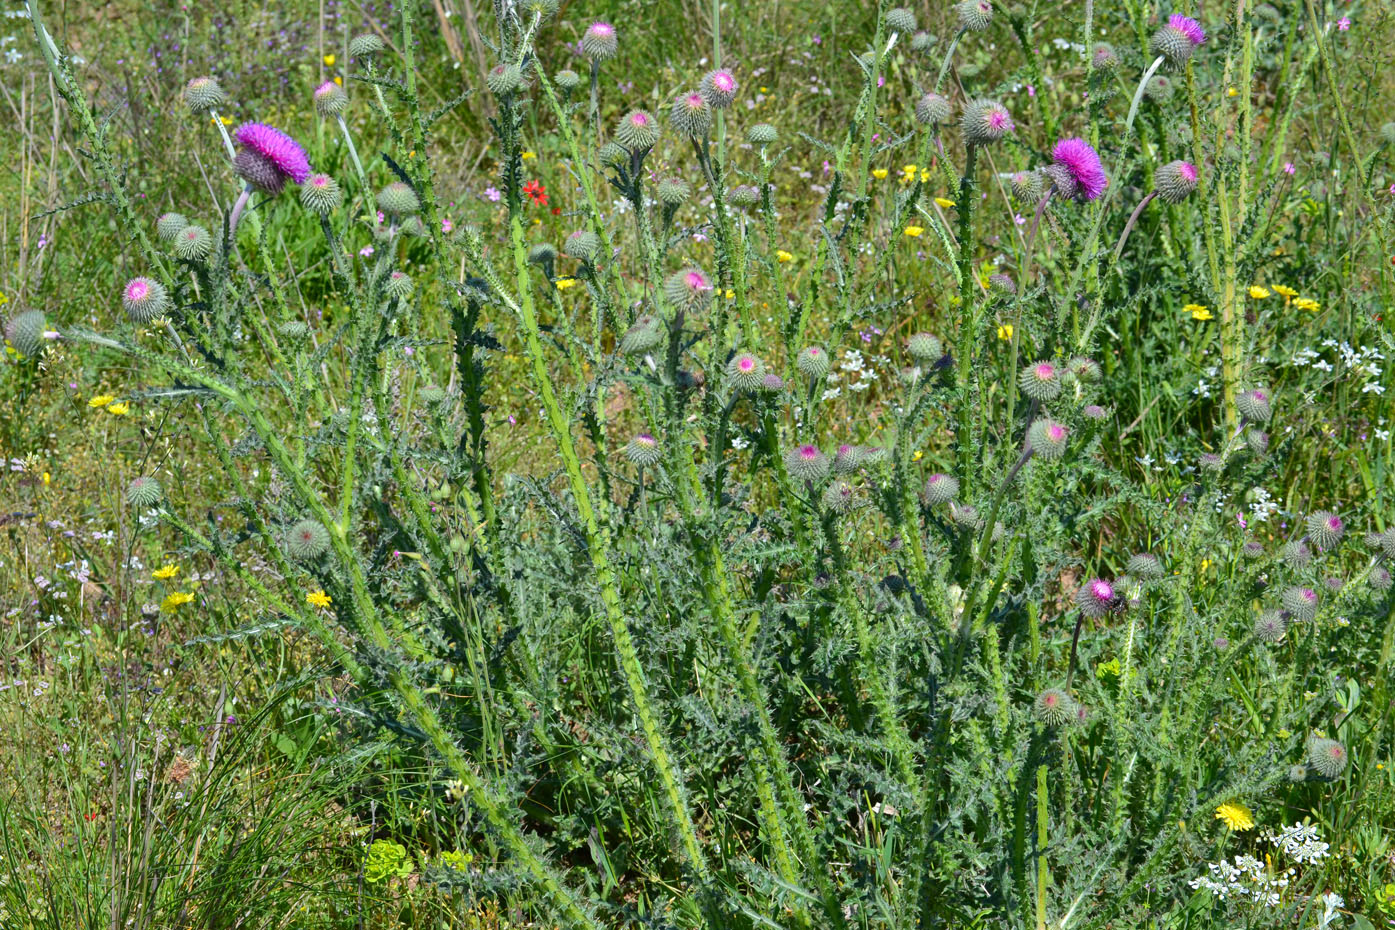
965	516
1270	627
1002	284
169	225
503	79
599	41
330	100
294	330
1327	756
1387	133
1253	549
567	79
645	335
613	155
398	285
985	121
674	191
1097	597
1159	88
869	456
1041	381
743	195
365	46
398	201
1177	39
846	459
144	492
806	463
1054	708
1257	441
1325	528
1210	461
1255	405
1105	57
144	299
1085	369
772	383
1145	566
812	362
718	88
1094	412
839	497
900	19
1379	578
762	134
25	331
689	288
1387	543
193	243
643	450
321	194
307	540
690	116
941	489
203	94
1048	438
1176	181
1300	602
974	15
542	253
638	131
933	110
1297	555
925	347
746	372
1027	188
582	245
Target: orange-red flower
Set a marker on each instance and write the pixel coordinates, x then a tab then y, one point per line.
536	192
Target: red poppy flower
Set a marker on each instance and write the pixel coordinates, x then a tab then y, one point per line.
556	211
537	192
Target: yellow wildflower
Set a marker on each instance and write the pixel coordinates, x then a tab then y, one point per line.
1005	332
1306	303
914	231
317	598
1199	313
564	283
1236	816
944	202
101	400
730	294
1232	92
908	174
1287	293
1205	564
165	573
225	120
47	479
527	155
119	409
917	456
879	173
1258	293
175	600
783	256
329	60
338	80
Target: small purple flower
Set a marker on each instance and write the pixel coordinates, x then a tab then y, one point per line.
1188	27
1344	24
277	148
492	194
1081	164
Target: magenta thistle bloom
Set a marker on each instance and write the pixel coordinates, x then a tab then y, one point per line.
276	147
718	88
1079	170
1097	597
806	463
1188	27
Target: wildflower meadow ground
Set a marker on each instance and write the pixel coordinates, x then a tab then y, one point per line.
619	464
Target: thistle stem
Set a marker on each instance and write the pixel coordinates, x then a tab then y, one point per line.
237	209
223	131
1128	227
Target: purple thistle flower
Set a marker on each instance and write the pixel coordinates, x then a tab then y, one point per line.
1188	27
277	148
1097	597
1079	170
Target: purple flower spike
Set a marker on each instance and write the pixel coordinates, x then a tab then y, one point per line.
1188	27
1079	171
276	147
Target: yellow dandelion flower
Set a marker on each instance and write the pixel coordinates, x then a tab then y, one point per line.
527	155
119	409
564	283
1005	332
1306	303
783	256
914	231
1236	816
879	173
175	600
317	598
165	573
329	60
101	400
1258	293
944	202
1287	293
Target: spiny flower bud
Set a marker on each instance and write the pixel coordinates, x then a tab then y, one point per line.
772	383
144	299
746	372
762	134
1270	627
925	347
638	131
1105	58
1254	405
743	195
933	110
1300	602
1093	412
1296	554
1048	438
193	243
1252	549
974	15
169	225
1379	578
923	41
1085	369
900	19
294	330
1298	773
806	463
542	8
320	194
674	191
1387	133
1327	756
307	540
599	41
582	245
1097	597
964	516
1176	180
846	459
365	46
1257	441
718	88
839	497
567	79
1041	381
941	489
871	455
690	116
1325	528
613	155
644	336
398	285
812	362
1145	566
398	201
1387	543
25	331
330	100
1054	707
203	94
1002	284
985	121
542	253
503	79
643	450
689	288
144	492
1177	39
1159	88
1027	188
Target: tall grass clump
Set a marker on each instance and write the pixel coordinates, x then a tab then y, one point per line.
902	559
